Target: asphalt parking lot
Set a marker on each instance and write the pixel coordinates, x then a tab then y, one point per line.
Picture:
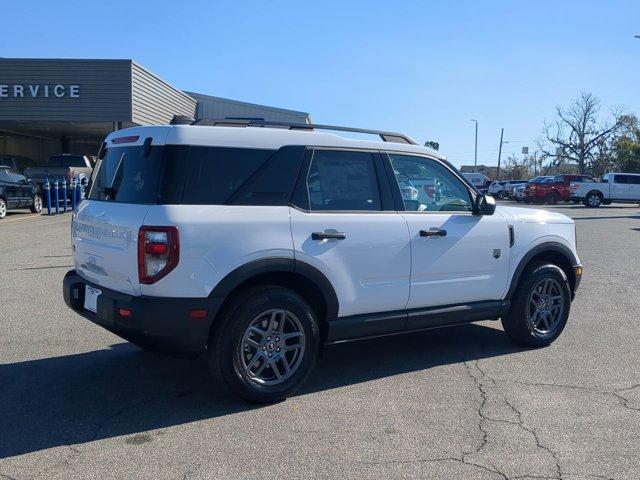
455	403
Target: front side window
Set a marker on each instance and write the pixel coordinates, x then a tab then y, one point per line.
428	186
4	175
342	181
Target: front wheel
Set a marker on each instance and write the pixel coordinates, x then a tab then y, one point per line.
3	208
265	345
36	204
552	199
540	306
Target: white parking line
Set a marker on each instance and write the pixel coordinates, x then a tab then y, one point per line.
7	220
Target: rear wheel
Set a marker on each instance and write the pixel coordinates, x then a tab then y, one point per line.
265	345
3	208
540	306
36	204
593	199
552	199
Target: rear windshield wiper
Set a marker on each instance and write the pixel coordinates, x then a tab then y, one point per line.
109	192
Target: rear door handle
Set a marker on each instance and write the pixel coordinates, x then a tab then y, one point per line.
328	235
433	232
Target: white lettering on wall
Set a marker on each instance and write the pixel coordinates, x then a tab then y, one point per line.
34	90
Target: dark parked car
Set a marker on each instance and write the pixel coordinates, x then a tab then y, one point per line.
16	191
16	162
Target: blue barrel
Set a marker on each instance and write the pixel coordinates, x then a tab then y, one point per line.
47	193
56	195
64	195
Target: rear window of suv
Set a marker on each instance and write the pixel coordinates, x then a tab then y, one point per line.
67	161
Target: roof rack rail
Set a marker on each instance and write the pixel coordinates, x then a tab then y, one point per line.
385	136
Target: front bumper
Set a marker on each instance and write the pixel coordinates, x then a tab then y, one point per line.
165	324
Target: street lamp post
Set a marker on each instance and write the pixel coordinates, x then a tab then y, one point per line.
475	152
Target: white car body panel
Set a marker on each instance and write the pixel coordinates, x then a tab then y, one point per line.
104	237
459	267
369	269
217	239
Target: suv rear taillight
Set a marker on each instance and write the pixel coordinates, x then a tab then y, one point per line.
158	252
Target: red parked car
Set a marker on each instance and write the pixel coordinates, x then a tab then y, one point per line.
554	189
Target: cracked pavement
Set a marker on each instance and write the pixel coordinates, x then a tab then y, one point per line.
461	402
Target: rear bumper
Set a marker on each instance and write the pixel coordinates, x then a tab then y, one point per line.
163	323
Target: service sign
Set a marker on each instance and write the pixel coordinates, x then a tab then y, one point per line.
39	91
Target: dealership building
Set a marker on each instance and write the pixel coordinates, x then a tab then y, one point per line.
51	106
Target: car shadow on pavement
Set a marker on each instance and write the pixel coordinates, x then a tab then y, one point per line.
122	390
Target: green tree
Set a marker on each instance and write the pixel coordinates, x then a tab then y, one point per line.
625	148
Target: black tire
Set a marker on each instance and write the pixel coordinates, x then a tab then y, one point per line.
144	344
552	199
500	195
3	208
224	349
517	323
36	204
593	200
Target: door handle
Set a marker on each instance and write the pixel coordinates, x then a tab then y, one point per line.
433	232
324	235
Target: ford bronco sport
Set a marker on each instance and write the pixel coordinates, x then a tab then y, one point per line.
256	244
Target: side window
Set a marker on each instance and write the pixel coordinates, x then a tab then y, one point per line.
215	173
4	175
634	179
342	180
428	186
620	179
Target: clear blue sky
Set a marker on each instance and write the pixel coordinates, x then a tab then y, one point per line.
420	67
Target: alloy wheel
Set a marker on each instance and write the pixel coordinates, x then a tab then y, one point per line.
3	209
594	200
37	203
272	347
545	307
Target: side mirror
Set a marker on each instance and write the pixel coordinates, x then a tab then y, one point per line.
485	205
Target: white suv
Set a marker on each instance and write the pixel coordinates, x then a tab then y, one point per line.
257	246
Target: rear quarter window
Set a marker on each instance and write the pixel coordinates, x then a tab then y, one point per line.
215	174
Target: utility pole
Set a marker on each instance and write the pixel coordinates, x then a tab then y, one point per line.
475	154
500	153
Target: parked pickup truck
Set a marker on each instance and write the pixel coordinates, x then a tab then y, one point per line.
62	166
614	187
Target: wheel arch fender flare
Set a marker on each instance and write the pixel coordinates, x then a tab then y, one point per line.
546	247
292	266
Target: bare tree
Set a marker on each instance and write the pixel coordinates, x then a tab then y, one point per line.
576	134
